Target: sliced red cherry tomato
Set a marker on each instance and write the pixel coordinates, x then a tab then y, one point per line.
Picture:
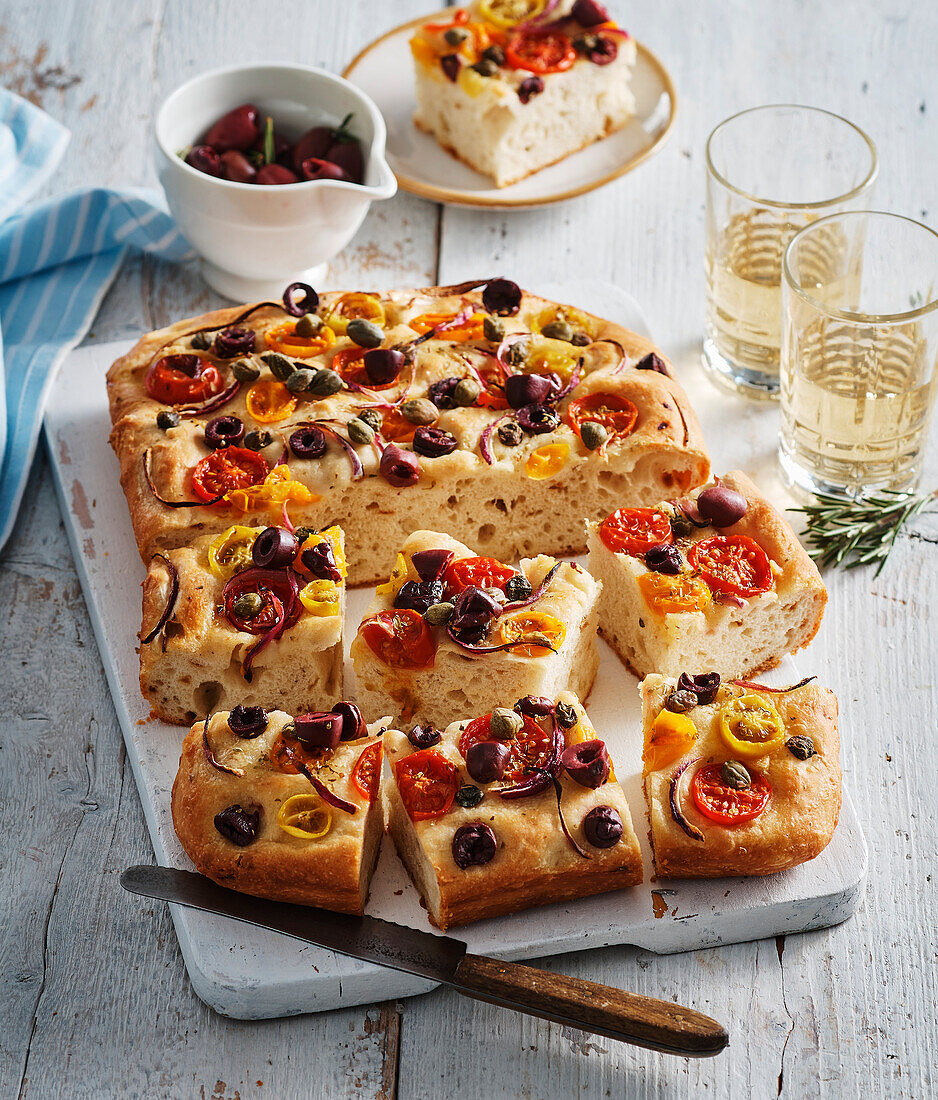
400	638
475	572
635	530
540	53
616	414
725	805
531	748
427	782
493	396
367	773
232	468
184	379
732	563
265	582
311	757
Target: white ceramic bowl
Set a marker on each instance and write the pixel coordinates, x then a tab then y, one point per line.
256	239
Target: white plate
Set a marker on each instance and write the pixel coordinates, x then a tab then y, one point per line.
384	70
250	973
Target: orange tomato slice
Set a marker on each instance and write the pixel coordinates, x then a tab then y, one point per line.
284	339
668	595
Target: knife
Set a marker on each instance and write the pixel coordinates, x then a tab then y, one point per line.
588	1006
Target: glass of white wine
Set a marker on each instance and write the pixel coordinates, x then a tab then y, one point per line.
859	353
770	171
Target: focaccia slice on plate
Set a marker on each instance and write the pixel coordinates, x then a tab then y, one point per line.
479	827
716	580
283	808
748	783
451	632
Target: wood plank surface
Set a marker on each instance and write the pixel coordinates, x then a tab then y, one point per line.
94	1000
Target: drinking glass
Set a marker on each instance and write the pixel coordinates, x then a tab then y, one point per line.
770	171
859	353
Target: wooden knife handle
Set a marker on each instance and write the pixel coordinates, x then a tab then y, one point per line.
589	1006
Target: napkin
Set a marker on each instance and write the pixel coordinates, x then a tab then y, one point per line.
57	261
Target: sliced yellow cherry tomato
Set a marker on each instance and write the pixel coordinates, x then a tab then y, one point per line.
349	306
304	816
402	571
509	13
321	598
546	461
668	595
275	489
268	401
751	726
284	339
545	356
578	321
423	51
546	632
672	736
471	329
231	551
332	535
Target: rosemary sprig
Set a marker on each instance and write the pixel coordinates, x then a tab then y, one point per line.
849	533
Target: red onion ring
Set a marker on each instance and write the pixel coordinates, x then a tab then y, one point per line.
674	797
212	404
147	457
501	350
170	601
358	470
556	398
537	593
484	446
752	686
210	756
563	825
540	17
321	789
286	519
728	599
539	781
688	509
275	631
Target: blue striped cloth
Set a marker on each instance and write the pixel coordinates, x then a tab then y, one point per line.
57	261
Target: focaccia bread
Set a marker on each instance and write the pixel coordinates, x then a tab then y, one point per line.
471	851
733	595
219	629
509	88
748	783
259	810
451	632
512	480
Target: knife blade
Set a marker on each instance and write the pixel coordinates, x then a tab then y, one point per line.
587	1006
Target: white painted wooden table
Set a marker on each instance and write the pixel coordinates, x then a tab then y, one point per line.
94	1001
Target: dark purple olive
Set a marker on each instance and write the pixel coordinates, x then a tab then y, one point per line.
705	686
300	298
347	155
527	389
236	167
418	595
473	610
652	361
236	130
441	393
274	548
320	561
383	365
486	761
318	729
602	827
224	431
247	722
238	825
604	52
190	365
538	419
502	297
434	442
722	506
587	763
315	143
308	442
588	13
398	467
529	88
314	169
474	845
534	706
664	559
450	64
234	341
203	158
430	563
353	724
424	737
276	174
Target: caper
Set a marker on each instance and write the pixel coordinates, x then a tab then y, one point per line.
469	796
510	433
681	526
364	333
735	775
801	746
166	419
518	587
201	341
289	731
494	53
325	383
438	614
558	330
517	354
485	67
455	36
505	724
466	392
585	43
303	533
372	418
580	340
280	366
308	325
258	440
593	434
245	371
299	380
359	432
248	605
419	410
566	716
492	330
680	702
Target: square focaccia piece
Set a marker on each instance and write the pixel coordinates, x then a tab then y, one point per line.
283	808
502	633
478	96
218	628
481	832
469	410
717	580
748	783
